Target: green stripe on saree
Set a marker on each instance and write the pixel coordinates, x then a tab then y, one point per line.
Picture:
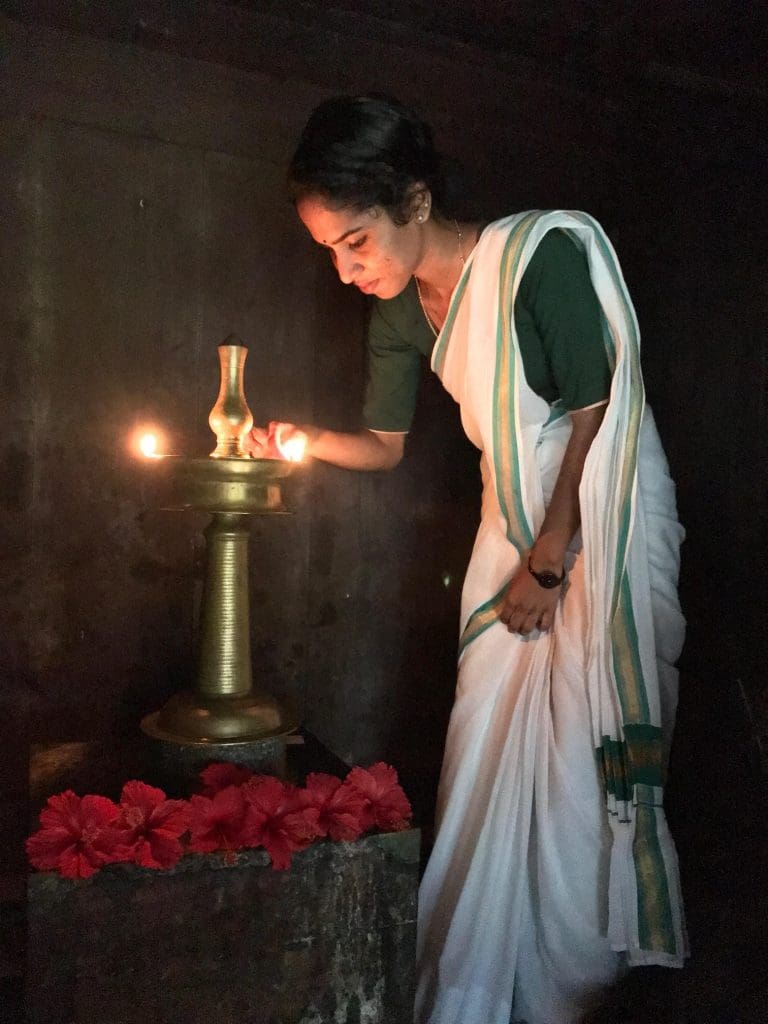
654	903
481	618
637	760
628	473
627	669
441	345
506	451
633	774
506	454
633	768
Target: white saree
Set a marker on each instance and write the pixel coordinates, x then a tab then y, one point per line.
553	865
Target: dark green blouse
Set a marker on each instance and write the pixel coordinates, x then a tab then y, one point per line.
559	328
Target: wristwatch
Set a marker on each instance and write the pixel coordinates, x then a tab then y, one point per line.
548	580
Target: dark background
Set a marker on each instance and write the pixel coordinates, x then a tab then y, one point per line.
143	218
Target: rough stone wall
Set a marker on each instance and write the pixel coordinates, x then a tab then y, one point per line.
330	941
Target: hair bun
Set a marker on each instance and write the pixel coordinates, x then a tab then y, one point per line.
370	151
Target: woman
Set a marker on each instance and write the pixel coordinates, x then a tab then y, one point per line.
552	866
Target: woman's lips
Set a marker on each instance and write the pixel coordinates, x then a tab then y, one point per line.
368	287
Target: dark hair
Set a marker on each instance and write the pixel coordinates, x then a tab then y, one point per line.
364	151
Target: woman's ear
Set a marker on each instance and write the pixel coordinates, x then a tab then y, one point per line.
420	202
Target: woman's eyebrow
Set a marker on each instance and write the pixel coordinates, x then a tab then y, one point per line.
345	235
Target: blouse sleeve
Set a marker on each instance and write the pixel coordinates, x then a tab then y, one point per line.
557	291
394	369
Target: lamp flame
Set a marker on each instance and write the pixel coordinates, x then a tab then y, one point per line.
291	448
148	443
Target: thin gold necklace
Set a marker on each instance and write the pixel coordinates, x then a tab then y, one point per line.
427	317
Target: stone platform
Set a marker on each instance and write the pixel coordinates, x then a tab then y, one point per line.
329	941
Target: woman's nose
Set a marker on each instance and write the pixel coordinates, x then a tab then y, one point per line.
346	267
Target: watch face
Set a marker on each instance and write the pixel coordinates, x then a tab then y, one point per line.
548	580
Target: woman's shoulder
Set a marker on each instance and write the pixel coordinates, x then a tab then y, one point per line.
528	218
399	312
398	323
556	251
558	246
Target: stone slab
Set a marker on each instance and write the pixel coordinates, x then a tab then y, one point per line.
330	941
179	764
103	766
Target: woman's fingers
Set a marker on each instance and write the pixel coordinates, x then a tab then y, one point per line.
255	442
524	618
523	622
259	443
277	441
528	606
290	440
545	620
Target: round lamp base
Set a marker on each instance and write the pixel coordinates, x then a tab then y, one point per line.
190	718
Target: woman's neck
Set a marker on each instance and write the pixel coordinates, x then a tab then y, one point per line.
448	243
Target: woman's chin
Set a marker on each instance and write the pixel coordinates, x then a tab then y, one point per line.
390	289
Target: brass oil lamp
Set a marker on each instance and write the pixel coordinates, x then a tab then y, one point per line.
222	715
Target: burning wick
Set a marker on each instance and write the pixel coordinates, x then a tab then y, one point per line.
293	448
148	445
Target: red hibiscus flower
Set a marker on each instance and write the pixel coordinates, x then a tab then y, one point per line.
218	822
76	836
340	807
280	819
149	826
222	774
386	805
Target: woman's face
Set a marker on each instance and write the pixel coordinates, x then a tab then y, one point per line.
367	248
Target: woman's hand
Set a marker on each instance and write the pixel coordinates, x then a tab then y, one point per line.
291	441
363	449
259	443
256	444
277	441
527	605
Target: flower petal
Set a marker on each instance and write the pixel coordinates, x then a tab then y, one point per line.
139	794
387	806
222	774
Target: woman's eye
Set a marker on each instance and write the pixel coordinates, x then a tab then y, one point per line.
358	243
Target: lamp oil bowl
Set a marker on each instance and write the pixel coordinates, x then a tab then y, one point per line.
222	716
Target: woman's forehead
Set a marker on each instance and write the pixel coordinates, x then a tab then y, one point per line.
329	225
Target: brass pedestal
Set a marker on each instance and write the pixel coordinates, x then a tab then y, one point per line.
222	715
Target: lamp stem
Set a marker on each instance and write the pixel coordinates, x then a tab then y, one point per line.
224	652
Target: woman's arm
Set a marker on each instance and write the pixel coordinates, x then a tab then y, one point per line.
557	293
364	449
528	605
563	515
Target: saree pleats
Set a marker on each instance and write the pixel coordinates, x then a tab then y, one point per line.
552	853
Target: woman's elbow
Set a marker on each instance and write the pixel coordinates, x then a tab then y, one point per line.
391	448
392	460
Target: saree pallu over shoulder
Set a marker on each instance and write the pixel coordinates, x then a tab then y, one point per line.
478	359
